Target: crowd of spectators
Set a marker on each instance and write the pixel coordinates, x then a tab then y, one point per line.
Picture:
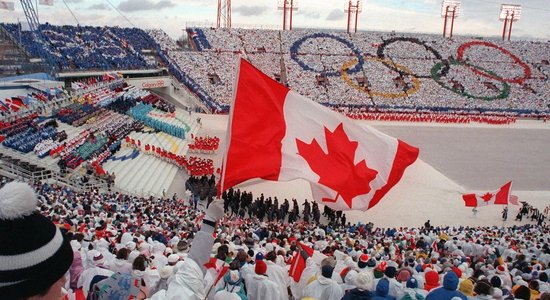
166	249
332	68
97	142
29	134
371	69
88	47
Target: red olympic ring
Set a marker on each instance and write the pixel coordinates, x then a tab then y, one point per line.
518	80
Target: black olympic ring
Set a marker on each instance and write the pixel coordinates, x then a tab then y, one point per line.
296	46
380	52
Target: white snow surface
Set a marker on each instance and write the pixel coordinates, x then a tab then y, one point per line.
423	193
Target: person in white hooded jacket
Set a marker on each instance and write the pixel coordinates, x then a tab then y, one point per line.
324	287
188	282
277	274
120	264
260	287
308	275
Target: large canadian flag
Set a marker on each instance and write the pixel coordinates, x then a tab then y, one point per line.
502	197
277	134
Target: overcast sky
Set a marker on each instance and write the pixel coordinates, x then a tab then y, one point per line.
478	17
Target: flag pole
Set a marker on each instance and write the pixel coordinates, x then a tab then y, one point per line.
228	132
507	205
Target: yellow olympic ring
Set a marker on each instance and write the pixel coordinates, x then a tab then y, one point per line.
415	82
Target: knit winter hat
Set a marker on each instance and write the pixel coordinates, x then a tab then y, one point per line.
365	281
378	274
403	275
412	283
466	287
496	281
260	267
363	260
371	263
390	272
259	256
28	266
326	271
457	272
501	269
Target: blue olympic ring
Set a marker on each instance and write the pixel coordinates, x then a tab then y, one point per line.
294	52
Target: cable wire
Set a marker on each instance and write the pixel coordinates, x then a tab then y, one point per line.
120	13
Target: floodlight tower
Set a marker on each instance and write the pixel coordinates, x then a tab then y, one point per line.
509	13
449	8
288	7
224	14
353	9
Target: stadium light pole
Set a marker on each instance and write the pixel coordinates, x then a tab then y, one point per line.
353	9
449	7
224	14
509	13
288	7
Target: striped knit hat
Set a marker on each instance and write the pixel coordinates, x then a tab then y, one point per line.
34	254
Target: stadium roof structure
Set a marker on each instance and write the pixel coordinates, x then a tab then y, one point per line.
101	72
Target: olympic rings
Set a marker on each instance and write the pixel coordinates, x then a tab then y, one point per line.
504	92
382	48
415	82
437	72
296	46
492	75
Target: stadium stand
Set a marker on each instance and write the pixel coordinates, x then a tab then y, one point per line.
89	48
367	69
384	70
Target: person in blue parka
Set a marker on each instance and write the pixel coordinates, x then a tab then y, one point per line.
448	290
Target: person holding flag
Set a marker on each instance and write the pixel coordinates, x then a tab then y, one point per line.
500	197
505	213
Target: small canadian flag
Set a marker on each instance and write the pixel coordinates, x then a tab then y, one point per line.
502	197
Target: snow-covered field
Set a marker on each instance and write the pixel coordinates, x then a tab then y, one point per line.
478	158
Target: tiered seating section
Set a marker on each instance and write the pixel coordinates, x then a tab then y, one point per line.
28	134
89	48
25	103
367	69
92	127
383	70
96	142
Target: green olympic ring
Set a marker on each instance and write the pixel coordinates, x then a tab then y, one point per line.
436	76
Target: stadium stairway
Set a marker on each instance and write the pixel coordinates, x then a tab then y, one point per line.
146	174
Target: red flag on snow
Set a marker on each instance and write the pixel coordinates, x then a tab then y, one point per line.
276	134
298	263
500	197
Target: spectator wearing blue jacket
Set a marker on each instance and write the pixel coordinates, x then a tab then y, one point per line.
382	290
448	290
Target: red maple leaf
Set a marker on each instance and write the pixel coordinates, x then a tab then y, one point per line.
487	197
336	168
